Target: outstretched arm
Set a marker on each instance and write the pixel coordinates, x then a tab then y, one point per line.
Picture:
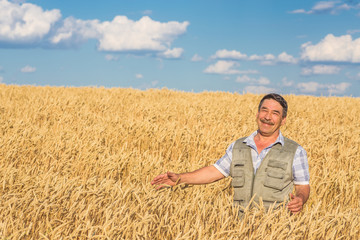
203	175
296	202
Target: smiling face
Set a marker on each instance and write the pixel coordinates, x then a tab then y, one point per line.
270	118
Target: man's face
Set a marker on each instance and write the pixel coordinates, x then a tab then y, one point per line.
269	118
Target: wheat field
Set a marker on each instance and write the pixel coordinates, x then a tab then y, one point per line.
76	163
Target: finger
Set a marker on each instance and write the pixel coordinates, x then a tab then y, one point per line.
295	209
292	202
292	196
295	206
295	200
160	176
159	179
162	186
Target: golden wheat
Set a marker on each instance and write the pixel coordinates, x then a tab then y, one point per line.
76	163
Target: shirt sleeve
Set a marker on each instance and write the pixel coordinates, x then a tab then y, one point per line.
301	167
224	163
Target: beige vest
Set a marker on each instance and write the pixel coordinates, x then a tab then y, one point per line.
273	181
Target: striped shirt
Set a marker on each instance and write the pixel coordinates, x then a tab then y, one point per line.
300	164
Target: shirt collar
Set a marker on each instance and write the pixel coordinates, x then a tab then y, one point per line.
250	139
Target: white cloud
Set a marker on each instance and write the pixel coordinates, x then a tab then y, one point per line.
286	58
255	58
315	87
226	54
286	82
333	49
18	1
247	79
263	81
345	7
147	85
1	79
338	88
75	31
267	59
154	83
258	89
28	24
353	31
123	34
267	62
147	12
28	69
250	71
321	69
24	23
172	53
139	76
111	57
196	58
223	67
242	79
298	11
323	7
270	59
308	87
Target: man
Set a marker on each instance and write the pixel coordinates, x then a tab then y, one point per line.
264	166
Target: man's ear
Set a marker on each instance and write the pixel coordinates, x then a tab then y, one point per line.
283	121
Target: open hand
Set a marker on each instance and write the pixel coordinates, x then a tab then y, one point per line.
169	178
296	203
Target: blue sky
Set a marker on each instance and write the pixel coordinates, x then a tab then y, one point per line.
259	46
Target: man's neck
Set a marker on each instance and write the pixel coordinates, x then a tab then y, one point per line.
262	141
262	138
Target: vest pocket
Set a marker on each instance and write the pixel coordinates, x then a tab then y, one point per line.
275	183
238	178
275	174
277	164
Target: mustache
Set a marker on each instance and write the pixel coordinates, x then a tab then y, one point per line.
266	121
